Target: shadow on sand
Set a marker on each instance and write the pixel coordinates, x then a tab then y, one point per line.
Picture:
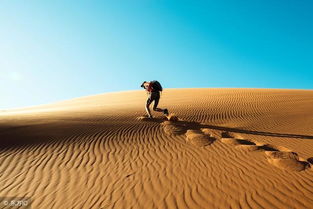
197	126
14	137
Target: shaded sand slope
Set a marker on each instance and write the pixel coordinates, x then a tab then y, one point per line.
232	148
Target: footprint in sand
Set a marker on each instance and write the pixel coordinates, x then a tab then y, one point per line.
286	160
172	117
173	128
199	138
170	123
280	157
239	143
193	135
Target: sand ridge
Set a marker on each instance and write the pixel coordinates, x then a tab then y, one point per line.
229	148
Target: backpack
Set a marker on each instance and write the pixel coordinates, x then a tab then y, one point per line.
156	86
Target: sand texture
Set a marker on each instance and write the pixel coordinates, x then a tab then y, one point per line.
220	149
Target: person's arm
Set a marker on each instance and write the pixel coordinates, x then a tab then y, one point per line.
148	90
148	87
148	111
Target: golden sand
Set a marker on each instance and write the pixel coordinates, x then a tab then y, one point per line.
229	148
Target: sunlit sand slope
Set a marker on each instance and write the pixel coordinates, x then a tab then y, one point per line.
231	148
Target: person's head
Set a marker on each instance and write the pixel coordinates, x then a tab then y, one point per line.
144	84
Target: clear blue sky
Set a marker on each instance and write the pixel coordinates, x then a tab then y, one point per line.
56	50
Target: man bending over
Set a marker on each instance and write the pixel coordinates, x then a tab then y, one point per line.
153	89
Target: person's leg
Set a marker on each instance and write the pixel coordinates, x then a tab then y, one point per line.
155	106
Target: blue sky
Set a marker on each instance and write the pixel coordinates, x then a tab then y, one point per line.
58	50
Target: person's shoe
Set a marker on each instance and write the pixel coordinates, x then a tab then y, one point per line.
165	111
147	116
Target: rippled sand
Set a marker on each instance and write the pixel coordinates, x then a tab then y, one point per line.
230	148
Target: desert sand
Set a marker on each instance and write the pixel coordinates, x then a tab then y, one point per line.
230	148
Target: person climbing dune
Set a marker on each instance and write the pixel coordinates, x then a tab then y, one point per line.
153	89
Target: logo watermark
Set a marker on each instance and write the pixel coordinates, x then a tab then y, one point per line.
15	202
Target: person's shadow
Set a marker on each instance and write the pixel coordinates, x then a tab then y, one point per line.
185	125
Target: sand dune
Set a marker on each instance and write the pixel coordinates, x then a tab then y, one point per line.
230	148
